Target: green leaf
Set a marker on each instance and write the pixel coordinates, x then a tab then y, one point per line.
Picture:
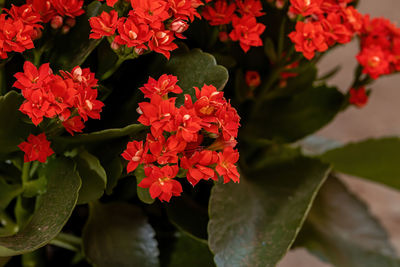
188	216
374	159
291	118
196	68
190	252
255	222
61	143
113	170
142	193
72	49
341	230
118	234
93	176
53	210
13	130
8	192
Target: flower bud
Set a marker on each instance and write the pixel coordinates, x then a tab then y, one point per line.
223	36
56	22
115	46
70	22
178	26
65	29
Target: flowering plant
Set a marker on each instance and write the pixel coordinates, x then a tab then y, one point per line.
179	132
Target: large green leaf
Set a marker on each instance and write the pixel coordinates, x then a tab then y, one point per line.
341	229
255	222
374	159
93	176
196	68
53	210
293	117
13	130
190	252
118	234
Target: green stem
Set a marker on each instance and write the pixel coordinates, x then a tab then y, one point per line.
67	241
111	71
25	173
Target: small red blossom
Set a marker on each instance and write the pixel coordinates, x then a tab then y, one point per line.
70	8
199	166
36	148
250	7
104	25
162	42
252	78
220	14
32	78
226	165
305	7
358	97
247	31
74	125
134	154
308	38
375	61
161	182
164	85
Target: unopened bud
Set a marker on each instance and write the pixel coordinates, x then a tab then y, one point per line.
138	51
115	46
65	29
56	22
70	22
223	36
178	26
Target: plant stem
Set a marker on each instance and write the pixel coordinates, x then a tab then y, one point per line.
67	241
113	69
25	173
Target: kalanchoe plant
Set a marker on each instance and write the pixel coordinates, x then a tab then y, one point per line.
122	122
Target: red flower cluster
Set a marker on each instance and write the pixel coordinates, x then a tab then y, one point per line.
197	137
18	28
36	148
358	97
242	14
20	25
380	47
71	97
150	25
326	23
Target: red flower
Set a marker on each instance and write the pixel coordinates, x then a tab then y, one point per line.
335	30
162	42
375	61
220	14
159	114
226	165
151	11
252	78
70	8
164	85
198	166
44	8
247	31
32	78
74	125
308	38
38	106
36	148
134	153
305	7
132	33
358	97
188	124
104	25
26	13
250	7
161	182
87	104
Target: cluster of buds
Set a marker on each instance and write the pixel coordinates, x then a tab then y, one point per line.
197	138
151	25
70	97
242	16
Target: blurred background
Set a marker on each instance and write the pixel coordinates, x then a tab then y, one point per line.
380	117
